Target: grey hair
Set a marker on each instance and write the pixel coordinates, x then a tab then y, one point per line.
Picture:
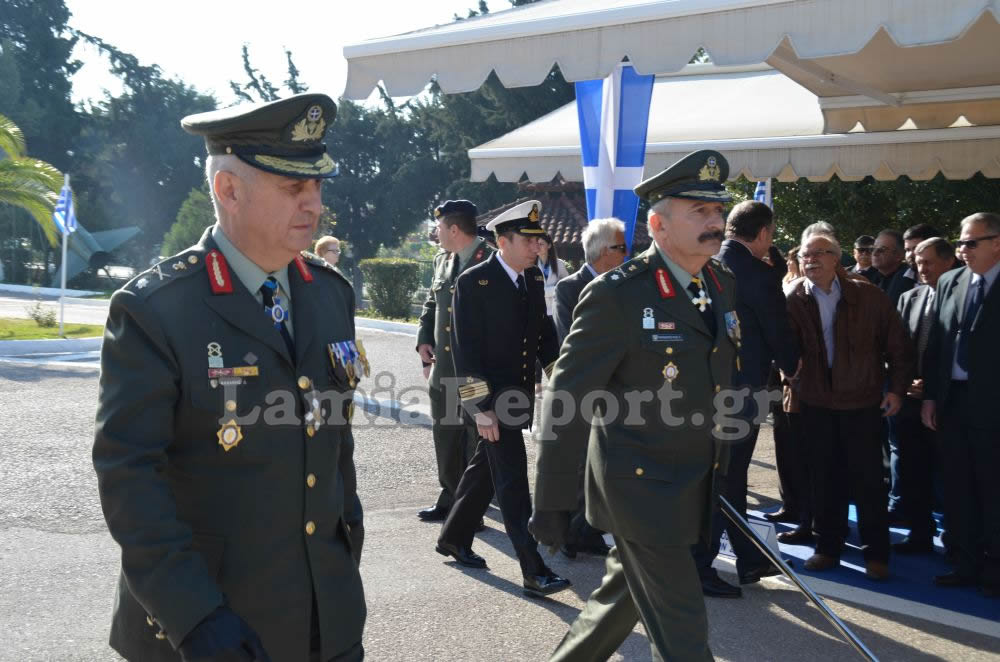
942	248
600	234
661	207
988	219
823	235
820	227
216	163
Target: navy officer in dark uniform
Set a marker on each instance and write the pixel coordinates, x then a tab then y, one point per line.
499	328
223	446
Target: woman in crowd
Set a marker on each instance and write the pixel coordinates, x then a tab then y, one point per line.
553	270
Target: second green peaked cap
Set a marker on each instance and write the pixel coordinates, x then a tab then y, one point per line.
284	136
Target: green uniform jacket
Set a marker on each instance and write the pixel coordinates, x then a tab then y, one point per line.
435	319
647	481
261	526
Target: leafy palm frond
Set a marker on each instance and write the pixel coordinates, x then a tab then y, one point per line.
28	183
11	138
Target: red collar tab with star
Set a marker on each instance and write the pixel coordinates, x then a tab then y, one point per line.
303	269
218	273
663	282
714	278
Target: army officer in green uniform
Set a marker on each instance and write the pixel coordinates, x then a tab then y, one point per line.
455	439
659	337
223	445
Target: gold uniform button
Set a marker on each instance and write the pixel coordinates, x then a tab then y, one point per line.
304	382
670	350
525	365
449	309
310	431
447	348
311	480
149	621
230	405
717	388
716	466
639	471
193	259
447	328
718	428
310	528
715	349
524	353
161	635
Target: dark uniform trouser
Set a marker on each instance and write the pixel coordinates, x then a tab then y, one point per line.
501	466
657	584
915	463
971	458
454	446
790	454
845	460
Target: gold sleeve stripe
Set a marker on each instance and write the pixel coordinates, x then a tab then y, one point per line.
473	390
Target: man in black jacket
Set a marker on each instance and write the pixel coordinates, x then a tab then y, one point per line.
895	276
766	337
961	390
499	328
603	250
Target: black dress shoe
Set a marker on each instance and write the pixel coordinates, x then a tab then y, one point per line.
910	545
783	515
433	514
538	586
898	520
799	536
464	555
570	550
954	579
714	587
754	575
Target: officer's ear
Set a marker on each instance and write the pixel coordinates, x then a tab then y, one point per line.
226	186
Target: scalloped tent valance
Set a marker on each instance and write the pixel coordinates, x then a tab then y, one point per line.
767	126
876	61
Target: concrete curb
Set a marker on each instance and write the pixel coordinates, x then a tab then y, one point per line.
44	291
384	325
51	346
402	414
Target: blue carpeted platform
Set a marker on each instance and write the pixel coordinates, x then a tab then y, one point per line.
910	580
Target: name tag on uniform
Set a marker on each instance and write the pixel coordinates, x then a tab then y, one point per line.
668	337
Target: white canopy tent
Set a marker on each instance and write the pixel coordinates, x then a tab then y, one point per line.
878	62
766	124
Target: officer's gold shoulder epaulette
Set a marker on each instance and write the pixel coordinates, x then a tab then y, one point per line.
317	261
630	269
171	270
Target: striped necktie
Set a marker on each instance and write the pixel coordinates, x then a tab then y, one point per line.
277	311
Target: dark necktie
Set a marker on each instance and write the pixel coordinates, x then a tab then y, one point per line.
702	302
924	331
454	267
521	288
971	312
277	311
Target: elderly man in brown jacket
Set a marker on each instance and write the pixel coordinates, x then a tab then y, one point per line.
849	333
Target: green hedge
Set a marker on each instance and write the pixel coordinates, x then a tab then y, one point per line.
391	283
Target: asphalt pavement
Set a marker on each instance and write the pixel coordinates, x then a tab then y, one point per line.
58	565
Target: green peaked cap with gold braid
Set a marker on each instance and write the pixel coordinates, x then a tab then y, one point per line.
284	136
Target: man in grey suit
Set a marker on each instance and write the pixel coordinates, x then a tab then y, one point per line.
603	249
915	442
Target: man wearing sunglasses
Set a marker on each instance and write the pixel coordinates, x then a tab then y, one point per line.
863	247
961	390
